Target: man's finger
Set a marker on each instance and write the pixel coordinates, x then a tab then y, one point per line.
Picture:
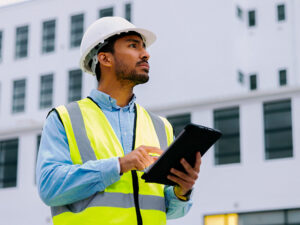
153	150
182	175
198	162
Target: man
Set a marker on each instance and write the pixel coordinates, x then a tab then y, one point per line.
93	151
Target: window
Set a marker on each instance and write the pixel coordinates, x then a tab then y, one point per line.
128	11
179	122
282	77
21	42
19	96
253	82
241	77
222	219
75	81
106	12
48	43
251	18
1	34
77	27
278	129
276	217
46	90
239	12
280	12
227	149
8	163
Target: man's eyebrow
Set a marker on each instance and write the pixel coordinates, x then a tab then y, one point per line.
136	41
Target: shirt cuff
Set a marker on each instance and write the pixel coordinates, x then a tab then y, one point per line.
109	171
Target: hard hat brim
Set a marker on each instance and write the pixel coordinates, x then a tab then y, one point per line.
148	37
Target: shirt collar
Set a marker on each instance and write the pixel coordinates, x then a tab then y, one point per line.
109	103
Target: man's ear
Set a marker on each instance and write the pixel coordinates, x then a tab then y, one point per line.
105	59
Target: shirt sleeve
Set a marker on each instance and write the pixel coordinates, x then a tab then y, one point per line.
175	208
59	181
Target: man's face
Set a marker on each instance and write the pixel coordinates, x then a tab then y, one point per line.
131	60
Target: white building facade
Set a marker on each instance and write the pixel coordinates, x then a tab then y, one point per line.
232	65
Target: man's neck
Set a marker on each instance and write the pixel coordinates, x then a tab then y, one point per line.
121	93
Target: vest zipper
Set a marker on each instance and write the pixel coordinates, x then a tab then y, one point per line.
135	181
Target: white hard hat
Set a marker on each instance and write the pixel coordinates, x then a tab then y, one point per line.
99	31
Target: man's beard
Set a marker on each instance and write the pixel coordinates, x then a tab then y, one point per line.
123	73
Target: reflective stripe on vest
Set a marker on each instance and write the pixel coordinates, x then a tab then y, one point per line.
118	197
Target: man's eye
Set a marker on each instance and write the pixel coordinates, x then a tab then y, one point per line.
132	45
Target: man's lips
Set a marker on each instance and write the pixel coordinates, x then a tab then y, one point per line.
144	64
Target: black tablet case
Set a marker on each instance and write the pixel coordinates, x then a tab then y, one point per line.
191	139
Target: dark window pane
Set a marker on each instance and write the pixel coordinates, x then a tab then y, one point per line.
48	43
8	163
280	12
19	96
46	90
106	12
75	84
179	122
251	18
227	149
128	12
241	77
278	129
77	29
1	34
253	82
21	42
239	12
282	77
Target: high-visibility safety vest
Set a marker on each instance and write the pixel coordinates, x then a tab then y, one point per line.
129	201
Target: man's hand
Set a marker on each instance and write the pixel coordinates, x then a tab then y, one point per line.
186	180
139	158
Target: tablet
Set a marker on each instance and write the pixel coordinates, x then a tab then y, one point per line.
193	138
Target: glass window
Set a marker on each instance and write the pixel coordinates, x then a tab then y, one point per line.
239	12
179	122
75	84
223	219
262	218
251	18
19	96
280	12
48	43
106	12
128	11
282	77
253	82
227	149
1	34
241	77
77	28
21	42
46	91
278	129
8	163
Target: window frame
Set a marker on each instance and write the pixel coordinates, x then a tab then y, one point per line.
3	162
46	92
224	115
21	41
73	87
76	31
48	36
18	96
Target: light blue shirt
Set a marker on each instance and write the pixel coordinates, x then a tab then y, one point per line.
60	182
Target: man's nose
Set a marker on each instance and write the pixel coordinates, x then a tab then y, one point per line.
145	54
